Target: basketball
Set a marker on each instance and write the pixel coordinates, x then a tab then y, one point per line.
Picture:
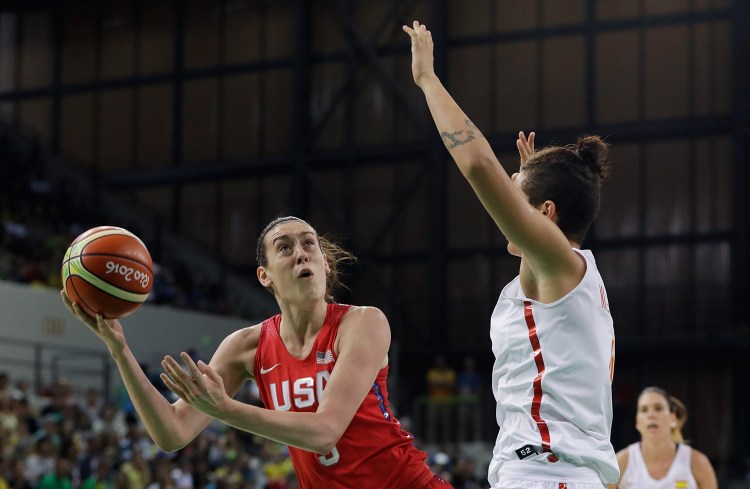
107	270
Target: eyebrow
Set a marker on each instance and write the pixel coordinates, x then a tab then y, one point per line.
286	236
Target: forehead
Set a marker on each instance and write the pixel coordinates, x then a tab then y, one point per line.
289	228
650	398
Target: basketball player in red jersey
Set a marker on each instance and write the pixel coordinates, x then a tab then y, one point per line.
321	368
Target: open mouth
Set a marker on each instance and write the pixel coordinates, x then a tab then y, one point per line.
305	273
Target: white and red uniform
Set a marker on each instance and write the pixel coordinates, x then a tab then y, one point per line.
374	452
680	474
552	381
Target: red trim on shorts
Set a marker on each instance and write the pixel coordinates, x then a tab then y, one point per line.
537	402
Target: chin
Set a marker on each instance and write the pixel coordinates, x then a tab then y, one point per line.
513	249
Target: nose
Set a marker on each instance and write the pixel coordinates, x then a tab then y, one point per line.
301	255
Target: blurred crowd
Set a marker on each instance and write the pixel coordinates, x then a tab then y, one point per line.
39	218
57	440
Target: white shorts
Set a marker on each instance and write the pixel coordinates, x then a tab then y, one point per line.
516	474
527	484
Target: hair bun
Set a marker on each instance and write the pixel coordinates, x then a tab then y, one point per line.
593	152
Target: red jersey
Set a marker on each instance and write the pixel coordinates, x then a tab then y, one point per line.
374	452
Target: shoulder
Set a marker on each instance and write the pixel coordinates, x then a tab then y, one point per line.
699	462
623	457
245	338
237	346
702	470
364	324
367	316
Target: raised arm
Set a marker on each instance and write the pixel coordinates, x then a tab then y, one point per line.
364	339
538	237
171	426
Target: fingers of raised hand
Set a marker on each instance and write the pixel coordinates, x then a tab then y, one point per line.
417	30
525	145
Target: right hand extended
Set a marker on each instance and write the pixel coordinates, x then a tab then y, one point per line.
525	146
422	61
108	330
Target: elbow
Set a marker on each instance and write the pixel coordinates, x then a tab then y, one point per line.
169	445
327	440
477	166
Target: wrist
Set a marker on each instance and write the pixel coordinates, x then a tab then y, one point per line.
427	79
227	411
119	352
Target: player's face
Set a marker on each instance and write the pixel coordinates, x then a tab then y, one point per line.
296	267
654	418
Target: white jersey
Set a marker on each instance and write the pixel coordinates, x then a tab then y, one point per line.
680	474
552	380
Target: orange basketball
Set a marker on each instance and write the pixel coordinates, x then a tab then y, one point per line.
107	270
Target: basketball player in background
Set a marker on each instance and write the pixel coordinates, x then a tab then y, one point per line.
321	369
551	331
662	460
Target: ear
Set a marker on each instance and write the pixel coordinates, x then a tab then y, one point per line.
263	277
673	420
326	266
549	209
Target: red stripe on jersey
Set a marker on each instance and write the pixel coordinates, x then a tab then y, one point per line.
537	402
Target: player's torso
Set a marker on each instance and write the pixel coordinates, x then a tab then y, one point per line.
679	475
373	442
552	374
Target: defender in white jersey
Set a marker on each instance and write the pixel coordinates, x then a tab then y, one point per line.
661	460
552	381
551	331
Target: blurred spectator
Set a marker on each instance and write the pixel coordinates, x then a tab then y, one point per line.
468	412
40	461
109	421
465	475
441	388
440	464
103	477
278	468
92	403
17	475
60	478
137	471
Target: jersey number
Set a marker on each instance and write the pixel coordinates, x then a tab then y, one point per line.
329	459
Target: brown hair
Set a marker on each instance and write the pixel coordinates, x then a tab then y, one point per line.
571	177
334	254
676	407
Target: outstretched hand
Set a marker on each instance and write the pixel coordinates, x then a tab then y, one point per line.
108	330
422	61
200	386
525	146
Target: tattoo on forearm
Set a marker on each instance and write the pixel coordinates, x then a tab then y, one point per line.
461	137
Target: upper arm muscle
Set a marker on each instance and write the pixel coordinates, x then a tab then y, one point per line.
363	345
